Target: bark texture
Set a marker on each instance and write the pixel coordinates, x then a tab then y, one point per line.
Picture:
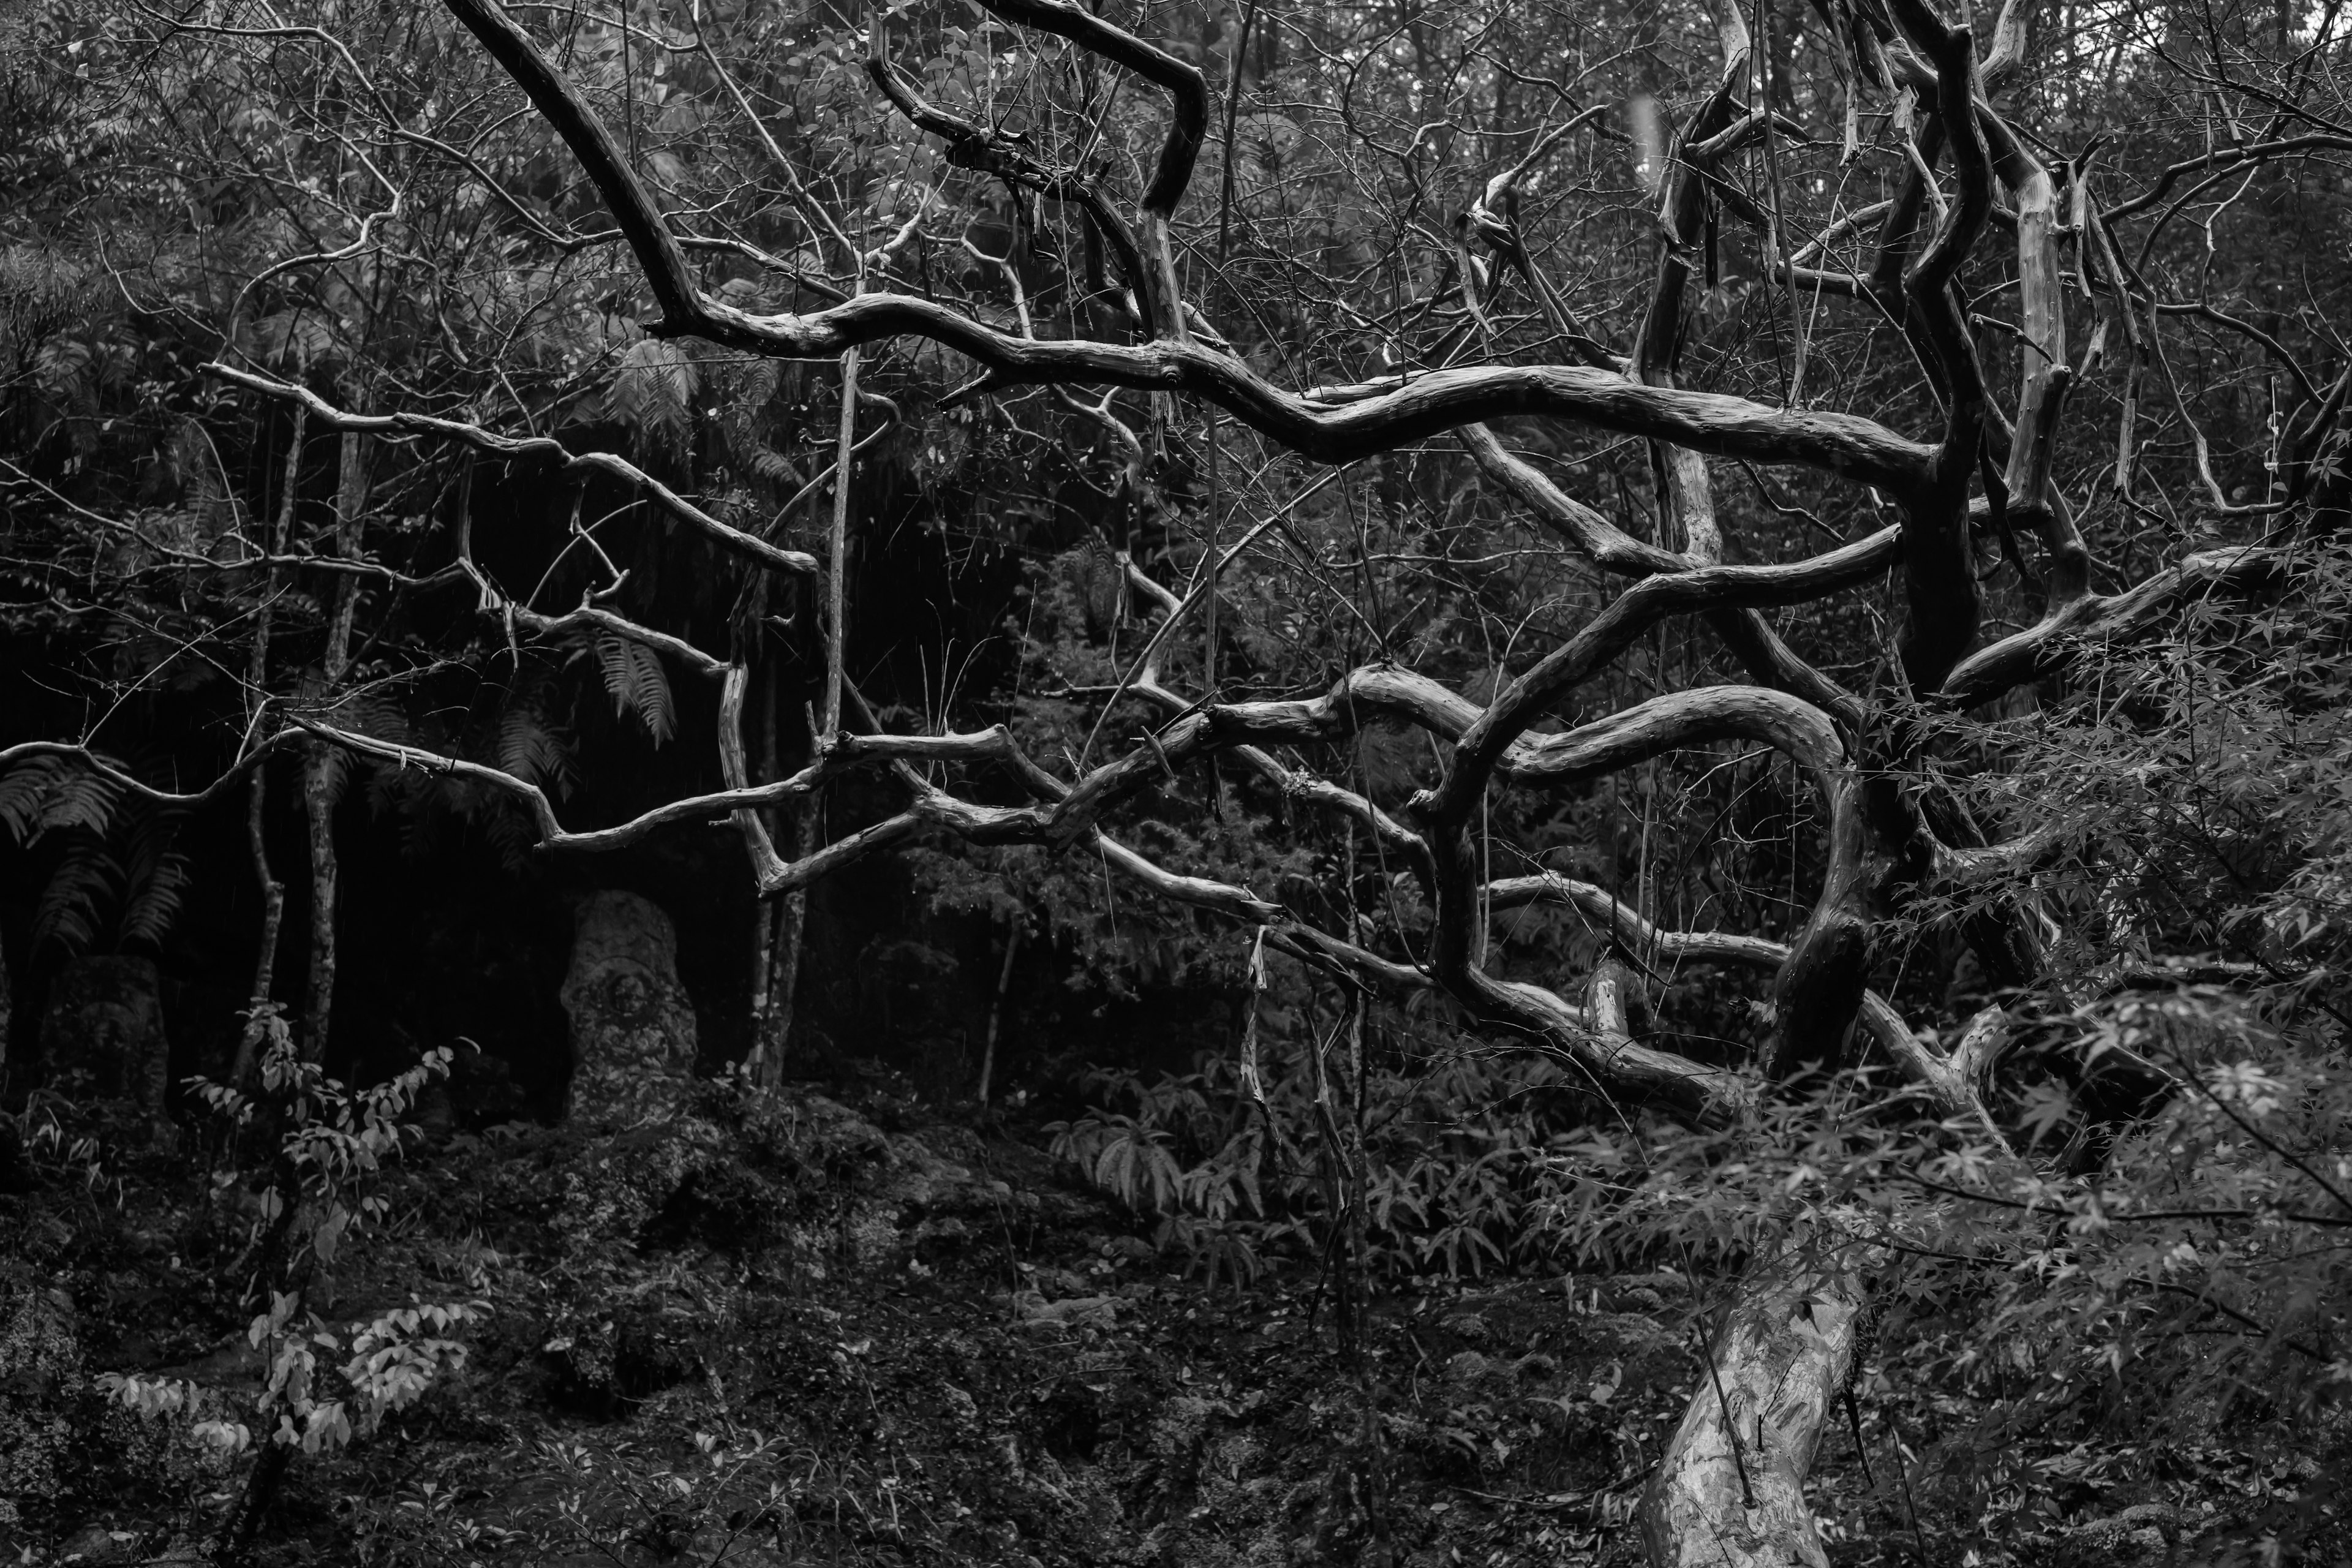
256	805
1730	1492
323	768
633	1033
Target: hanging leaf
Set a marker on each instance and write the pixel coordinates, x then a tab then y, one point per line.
634	681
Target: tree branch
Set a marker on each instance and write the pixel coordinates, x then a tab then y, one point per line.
533	449
1722	425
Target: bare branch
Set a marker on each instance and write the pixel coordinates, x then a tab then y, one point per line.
1711	423
533	449
2059	638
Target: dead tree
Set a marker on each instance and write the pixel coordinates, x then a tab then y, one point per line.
1730	1487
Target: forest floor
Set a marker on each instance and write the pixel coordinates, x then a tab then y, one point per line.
847	1331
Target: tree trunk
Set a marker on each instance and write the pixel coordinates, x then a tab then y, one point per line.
996	1005
273	917
766	1044
322	769
273	891
784	961
764	956
252	1506
323	766
1730	1492
782	921
634	1039
836	614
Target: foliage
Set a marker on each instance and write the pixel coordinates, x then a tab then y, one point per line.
2175	865
1462	1176
390	1362
634	681
330	1147
115	869
2184	1296
717	1505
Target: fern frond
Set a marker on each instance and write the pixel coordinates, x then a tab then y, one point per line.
85	881
653	693
510	830
156	901
769	463
394	790
755	382
145	836
23	789
78	798
374	714
294	339
652	391
533	748
634	680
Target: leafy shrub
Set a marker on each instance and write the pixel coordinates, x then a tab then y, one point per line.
323	1387
1458	1171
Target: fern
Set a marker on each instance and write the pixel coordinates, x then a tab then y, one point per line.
769	463
293	340
424	811
374	714
23	789
533	749
80	799
48	795
156	901
633	680
394	791
752	382
653	392
743	389
510	830
72	906
154	875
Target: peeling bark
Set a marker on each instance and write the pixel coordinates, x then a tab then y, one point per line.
1730	1492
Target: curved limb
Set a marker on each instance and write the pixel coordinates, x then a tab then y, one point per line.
1943	602
1745	632
1714	424
1188	128
976	147
2060	636
1631	1072
1533	694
